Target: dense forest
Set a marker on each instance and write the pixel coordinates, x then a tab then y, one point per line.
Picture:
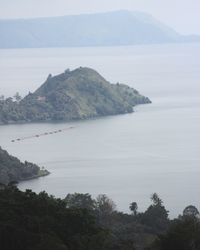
79	222
13	170
72	95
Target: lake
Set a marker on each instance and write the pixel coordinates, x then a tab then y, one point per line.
127	157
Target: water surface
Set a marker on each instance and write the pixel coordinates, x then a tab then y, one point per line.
128	157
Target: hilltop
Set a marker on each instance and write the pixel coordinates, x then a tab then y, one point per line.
100	29
73	95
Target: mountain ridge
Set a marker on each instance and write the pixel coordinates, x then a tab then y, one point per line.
97	29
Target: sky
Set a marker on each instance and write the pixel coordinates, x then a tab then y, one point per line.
182	15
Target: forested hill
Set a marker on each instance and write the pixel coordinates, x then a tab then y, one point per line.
13	170
99	29
73	95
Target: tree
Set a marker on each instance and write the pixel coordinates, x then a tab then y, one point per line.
9	100
156	216
2	98
17	97
104	209
191	211
41	222
182	235
105	205
133	207
156	200
78	200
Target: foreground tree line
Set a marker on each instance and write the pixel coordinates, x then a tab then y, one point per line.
78	222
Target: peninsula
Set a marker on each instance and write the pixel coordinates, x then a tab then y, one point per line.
73	95
13	170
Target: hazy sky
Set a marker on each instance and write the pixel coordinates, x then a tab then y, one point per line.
183	15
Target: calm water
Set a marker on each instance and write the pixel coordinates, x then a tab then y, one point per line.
128	157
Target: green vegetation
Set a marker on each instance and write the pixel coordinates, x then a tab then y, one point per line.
183	234
31	221
12	170
79	222
72	95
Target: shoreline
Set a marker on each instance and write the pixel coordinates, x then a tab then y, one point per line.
71	120
42	173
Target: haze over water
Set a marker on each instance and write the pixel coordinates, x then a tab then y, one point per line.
127	157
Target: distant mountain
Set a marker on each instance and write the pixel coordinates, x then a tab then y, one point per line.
103	29
12	170
72	95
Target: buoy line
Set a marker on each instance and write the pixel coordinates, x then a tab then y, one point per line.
43	134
